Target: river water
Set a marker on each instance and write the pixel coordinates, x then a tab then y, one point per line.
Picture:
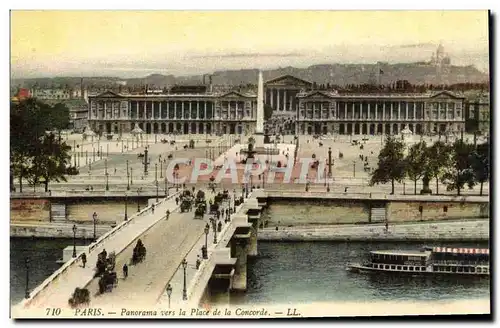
285	273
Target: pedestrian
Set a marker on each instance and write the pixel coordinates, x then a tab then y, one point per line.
153	209
345	189
84	259
104	253
125	271
198	262
176	200
386	226
115	170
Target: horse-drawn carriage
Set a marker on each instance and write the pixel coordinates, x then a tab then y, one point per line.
139	253
80	297
105	263
105	269
108	281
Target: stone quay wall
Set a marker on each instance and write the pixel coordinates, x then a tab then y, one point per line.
466	230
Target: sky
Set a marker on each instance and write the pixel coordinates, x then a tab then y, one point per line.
138	43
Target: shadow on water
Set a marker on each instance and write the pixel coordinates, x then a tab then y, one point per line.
42	253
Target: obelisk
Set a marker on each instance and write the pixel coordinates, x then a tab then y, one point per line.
259	129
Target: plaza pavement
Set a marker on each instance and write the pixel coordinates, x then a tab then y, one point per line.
347	171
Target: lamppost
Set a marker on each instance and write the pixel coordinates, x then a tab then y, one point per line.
354	169
27	267
106	173
145	161
138	204
205	251
161	168
329	161
156	181
74	240
131	177
166	186
94	220
156	172
169	293
184	291
126	206
214	228
128	178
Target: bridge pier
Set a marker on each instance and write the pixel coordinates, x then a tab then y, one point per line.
252	242
253	214
239	250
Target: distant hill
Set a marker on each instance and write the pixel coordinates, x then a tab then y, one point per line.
337	74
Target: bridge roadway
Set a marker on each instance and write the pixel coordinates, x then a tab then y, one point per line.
167	242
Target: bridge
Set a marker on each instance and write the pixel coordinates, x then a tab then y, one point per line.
169	239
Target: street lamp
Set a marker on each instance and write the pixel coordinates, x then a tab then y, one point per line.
128	178
184	291
214	228
126	206
74	240
145	161
156	190
329	161
94	220
27	266
138	204
169	293
205	251
354	169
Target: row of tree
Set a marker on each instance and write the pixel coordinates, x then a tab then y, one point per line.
37	152
456	165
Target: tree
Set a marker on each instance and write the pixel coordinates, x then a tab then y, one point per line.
480	162
460	171
29	121
415	162
438	157
51	161
391	163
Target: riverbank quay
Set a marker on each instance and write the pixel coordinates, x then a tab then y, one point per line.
57	230
464	230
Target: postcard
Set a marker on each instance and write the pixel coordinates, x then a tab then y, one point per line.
249	164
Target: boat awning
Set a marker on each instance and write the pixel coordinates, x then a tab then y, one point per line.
461	250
